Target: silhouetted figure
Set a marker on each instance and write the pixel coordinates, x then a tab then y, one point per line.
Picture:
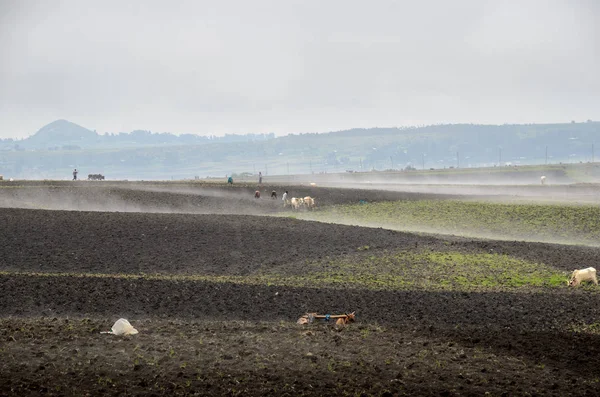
75	174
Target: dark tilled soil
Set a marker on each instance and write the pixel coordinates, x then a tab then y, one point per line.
108	242
69	357
230	339
134	243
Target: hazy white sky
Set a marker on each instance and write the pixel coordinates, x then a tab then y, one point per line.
215	67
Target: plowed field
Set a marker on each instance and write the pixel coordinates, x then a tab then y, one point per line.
215	295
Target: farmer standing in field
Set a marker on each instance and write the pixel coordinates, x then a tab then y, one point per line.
75	174
259	177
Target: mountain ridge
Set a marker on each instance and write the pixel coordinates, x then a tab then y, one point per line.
143	153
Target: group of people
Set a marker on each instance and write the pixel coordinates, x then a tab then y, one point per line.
284	198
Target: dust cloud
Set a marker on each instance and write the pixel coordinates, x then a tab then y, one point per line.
172	197
137	198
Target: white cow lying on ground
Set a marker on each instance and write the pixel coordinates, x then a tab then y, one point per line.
543	180
578	276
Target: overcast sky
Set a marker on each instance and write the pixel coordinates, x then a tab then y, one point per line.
216	67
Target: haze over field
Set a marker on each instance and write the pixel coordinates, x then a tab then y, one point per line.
270	66
440	167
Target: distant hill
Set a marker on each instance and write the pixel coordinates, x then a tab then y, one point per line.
62	145
61	133
65	135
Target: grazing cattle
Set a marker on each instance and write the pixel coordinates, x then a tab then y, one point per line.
257	194
578	276
273	194
309	202
313	184
543	180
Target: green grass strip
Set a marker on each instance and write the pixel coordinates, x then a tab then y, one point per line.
534	222
384	270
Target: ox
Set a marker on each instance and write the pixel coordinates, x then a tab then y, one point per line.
343	321
543	180
309	202
257	194
578	276
297	203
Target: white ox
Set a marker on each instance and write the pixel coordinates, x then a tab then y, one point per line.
309	202
578	276
543	180
297	203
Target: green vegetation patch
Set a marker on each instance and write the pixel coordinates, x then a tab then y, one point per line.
383	270
583	328
539	222
403	270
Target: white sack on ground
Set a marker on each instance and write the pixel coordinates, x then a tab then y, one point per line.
122	327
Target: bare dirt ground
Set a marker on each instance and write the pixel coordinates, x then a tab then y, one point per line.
572	194
180	196
210	198
66	275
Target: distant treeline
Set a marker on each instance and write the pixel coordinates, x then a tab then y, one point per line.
145	155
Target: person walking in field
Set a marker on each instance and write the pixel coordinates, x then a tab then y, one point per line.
259	177
75	174
284	198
